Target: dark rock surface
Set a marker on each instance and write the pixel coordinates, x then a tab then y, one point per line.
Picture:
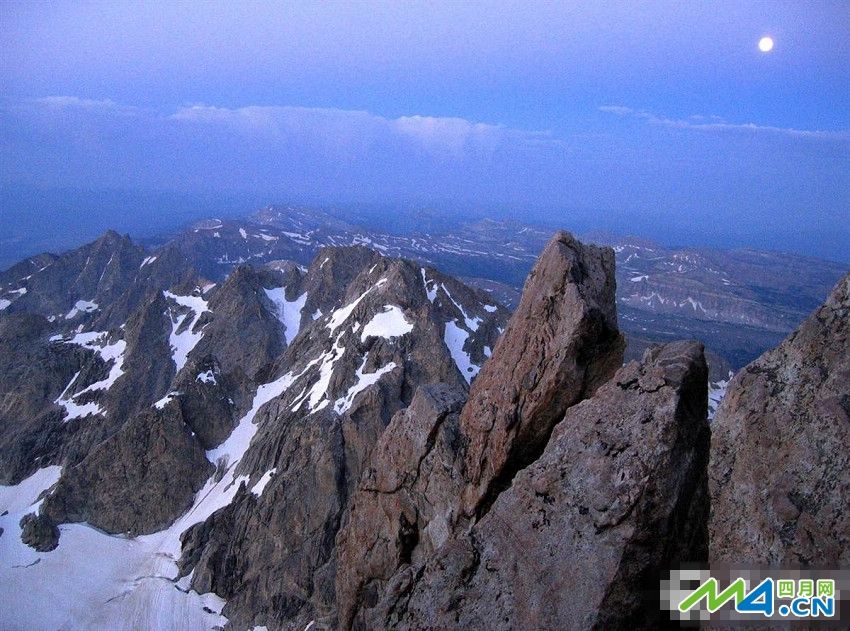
39	532
243	331
779	459
137	481
33	373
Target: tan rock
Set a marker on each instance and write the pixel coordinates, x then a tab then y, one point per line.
560	345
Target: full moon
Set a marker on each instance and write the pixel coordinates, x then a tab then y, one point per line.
766	44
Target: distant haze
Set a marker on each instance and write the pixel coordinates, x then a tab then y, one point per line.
655	119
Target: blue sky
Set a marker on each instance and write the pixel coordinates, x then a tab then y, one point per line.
657	118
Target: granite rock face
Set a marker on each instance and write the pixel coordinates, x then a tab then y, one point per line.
560	345
614	499
779	458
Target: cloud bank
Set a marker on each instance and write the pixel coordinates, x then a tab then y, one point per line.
730	184
715	123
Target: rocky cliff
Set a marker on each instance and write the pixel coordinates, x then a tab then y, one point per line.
779	459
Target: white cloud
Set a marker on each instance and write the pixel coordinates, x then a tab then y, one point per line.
102	106
338	132
351	129
448	134
701	122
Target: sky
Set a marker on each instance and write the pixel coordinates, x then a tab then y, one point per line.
659	119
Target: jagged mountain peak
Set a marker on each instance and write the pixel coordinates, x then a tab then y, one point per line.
250	430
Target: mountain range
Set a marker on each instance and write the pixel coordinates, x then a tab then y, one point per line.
739	302
290	422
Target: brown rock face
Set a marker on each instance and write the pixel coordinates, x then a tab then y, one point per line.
405	503
435	469
608	506
560	345
779	458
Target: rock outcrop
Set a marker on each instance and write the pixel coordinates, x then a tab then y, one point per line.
614	499
779	457
39	532
437	467
560	345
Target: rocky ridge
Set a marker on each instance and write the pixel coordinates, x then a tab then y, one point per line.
205	413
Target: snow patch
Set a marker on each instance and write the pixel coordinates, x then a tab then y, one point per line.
716	392
364	380
109	353
455	337
288	311
82	306
166	399
387	324
75	410
339	316
185	340
260	486
316	395
430	287
243	233
206	377
148	260
21	497
471	323
232	449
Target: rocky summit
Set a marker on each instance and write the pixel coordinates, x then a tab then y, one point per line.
332	438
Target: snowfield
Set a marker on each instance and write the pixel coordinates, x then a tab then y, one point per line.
96	581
